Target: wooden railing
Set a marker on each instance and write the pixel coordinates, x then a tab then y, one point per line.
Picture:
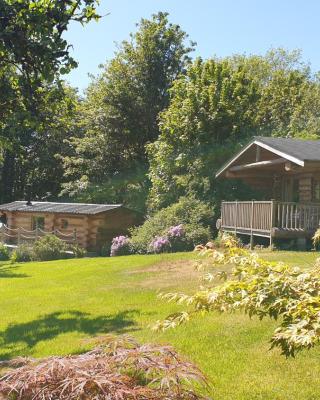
22	235
263	216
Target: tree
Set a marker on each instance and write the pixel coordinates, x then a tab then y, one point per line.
31	35
33	55
30	161
120	112
211	112
219	105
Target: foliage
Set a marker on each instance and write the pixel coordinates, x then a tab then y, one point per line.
120	113
78	252
316	238
120	246
33	55
195	216
129	187
260	288
23	253
216	107
32	164
118	368
49	247
31	35
4	252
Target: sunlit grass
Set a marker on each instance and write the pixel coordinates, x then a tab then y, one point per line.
49	308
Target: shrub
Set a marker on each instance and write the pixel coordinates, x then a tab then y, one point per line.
118	368
160	245
4	252
195	217
316	239
49	247
22	253
120	246
78	252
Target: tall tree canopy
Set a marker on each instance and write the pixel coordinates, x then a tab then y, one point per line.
220	104
31	35
120	112
35	105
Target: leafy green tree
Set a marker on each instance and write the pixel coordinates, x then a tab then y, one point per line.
35	107
31	35
211	112
32	159
120	112
219	105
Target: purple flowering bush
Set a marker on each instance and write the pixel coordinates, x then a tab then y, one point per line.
172	240
185	224
177	237
177	231
160	244
120	246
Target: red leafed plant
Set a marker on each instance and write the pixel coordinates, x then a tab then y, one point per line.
118	368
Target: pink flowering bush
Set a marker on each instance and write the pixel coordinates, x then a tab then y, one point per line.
120	246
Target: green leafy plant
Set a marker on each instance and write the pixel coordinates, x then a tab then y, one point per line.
23	253
117	368
259	288
78	251
49	247
316	238
4	252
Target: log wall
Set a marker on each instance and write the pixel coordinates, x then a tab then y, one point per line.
92	231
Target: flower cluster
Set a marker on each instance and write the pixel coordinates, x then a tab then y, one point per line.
120	246
160	244
176	231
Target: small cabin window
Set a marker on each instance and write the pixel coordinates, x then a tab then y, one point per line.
64	224
37	222
316	190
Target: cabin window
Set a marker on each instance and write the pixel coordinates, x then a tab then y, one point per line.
316	190
37	222
64	224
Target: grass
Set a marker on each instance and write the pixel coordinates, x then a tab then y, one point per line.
50	307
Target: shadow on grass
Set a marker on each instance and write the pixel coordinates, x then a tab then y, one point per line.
8	271
19	339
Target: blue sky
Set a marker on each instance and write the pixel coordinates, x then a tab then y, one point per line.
220	27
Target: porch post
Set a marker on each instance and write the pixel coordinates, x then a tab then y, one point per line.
272	220
236	222
251	225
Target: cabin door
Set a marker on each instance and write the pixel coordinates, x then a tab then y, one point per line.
290	189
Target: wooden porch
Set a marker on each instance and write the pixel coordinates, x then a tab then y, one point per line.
271	219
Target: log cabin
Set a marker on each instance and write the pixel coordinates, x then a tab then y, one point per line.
286	174
89	225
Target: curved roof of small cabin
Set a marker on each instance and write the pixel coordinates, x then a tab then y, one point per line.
55	207
298	151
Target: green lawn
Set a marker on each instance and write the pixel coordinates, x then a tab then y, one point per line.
49	308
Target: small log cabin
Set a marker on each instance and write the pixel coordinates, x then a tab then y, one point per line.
90	225
286	173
